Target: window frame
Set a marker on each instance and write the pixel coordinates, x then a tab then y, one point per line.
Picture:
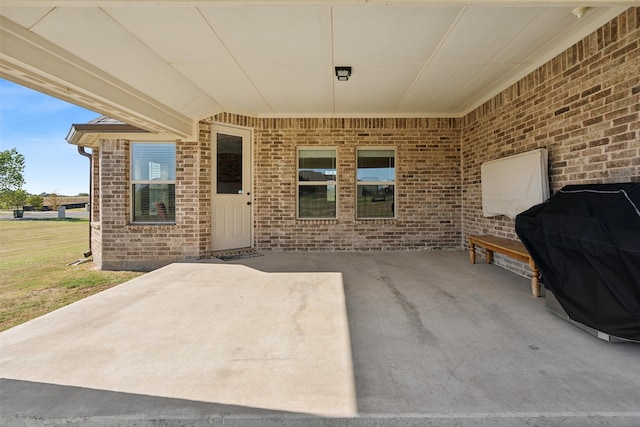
326	183
364	183
133	182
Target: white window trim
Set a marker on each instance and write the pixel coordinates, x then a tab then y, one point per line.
327	183
394	182
132	182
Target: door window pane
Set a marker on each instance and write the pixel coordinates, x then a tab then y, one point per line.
228	164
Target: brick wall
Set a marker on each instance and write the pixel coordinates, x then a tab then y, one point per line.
583	106
204	229
95	211
427	183
119	244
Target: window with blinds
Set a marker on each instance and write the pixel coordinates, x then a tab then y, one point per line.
153	182
317	183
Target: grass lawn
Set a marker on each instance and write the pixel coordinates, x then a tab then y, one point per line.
34	277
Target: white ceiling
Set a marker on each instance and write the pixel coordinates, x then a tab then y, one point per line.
163	64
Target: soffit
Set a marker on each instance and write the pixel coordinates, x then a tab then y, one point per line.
178	61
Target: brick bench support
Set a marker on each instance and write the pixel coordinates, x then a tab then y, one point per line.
511	248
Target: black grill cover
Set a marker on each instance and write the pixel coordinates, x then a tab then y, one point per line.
586	242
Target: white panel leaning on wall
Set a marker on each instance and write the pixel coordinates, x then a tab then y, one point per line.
513	184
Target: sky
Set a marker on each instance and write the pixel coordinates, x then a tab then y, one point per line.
36	125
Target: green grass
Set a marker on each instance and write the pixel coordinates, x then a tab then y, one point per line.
34	277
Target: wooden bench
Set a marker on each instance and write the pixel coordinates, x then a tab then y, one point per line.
511	248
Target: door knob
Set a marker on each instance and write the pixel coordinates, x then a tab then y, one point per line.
248	203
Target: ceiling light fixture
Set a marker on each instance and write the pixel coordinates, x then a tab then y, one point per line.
343	73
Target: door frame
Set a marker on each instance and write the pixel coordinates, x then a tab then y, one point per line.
247	134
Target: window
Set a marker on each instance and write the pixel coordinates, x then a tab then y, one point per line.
376	183
153	182
316	183
229	164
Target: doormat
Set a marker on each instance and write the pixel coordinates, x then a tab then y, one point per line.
239	254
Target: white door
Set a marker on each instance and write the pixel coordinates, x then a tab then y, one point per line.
231	188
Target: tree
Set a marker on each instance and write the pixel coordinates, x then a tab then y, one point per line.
15	198
54	200
11	170
12	179
36	202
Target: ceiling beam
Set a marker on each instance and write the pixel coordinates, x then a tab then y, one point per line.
34	62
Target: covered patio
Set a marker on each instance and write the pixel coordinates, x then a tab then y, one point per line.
395	327
341	339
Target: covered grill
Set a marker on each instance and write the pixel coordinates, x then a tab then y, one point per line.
586	242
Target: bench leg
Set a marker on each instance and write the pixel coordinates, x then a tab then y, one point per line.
488	256
472	252
535	279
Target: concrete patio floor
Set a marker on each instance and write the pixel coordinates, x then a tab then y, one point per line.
311	339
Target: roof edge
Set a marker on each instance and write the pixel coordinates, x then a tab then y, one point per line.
79	132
